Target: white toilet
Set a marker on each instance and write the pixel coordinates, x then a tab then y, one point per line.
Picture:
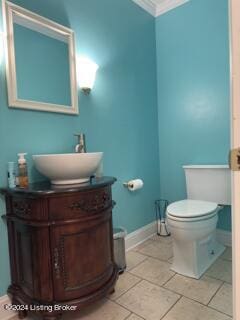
193	221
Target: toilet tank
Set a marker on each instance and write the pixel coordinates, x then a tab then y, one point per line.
209	183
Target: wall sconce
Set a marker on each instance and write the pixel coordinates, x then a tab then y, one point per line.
86	74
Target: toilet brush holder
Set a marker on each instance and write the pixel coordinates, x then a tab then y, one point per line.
162	229
161	207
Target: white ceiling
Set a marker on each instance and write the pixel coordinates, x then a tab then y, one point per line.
157	1
158	7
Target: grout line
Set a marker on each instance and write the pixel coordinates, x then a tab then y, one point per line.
140	243
158	285
215	293
139	280
127	308
136	249
149	256
225	259
208	307
214	296
226	314
128	290
127	317
128	270
210	276
192	299
163	285
180	297
172	290
134	314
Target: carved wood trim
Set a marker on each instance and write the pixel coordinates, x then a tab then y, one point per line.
22	207
93	204
56	262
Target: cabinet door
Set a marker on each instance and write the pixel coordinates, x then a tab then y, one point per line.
31	252
82	256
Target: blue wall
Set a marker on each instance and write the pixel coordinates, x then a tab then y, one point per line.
122	116
193	92
118	118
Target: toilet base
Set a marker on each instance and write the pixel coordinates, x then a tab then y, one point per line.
192	259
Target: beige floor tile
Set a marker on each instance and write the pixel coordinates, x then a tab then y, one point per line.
142	245
170	260
148	300
222	270
227	255
154	270
124	283
201	290
222	301
186	309
166	240
159	250
134	317
106	309
133	259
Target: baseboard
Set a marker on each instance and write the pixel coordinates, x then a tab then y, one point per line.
132	240
140	235
6	314
224	237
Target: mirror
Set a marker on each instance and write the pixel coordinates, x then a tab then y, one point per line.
41	64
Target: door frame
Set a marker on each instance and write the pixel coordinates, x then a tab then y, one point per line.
234	24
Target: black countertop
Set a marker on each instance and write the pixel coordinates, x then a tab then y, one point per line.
46	188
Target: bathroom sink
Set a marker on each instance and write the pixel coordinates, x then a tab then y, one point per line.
69	168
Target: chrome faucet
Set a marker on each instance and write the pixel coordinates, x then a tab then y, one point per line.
81	146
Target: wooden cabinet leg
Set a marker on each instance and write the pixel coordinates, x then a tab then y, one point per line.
22	314
112	291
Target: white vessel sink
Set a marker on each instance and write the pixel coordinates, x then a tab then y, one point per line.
69	168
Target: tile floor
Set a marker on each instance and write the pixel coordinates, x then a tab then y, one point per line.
150	290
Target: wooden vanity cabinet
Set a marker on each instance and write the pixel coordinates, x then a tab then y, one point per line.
61	246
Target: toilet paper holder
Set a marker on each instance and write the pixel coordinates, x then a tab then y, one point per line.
127	184
134	185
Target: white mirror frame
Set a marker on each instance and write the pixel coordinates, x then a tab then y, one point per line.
38	23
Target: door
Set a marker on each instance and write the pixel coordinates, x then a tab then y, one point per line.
82	257
32	255
24	258
235	49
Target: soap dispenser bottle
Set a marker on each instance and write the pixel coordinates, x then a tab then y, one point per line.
22	171
11	175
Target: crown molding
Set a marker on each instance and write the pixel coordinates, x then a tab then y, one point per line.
168	5
157	10
147	5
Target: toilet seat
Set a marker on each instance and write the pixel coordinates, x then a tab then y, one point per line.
191	210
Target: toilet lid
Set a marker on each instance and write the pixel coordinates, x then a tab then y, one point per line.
191	208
